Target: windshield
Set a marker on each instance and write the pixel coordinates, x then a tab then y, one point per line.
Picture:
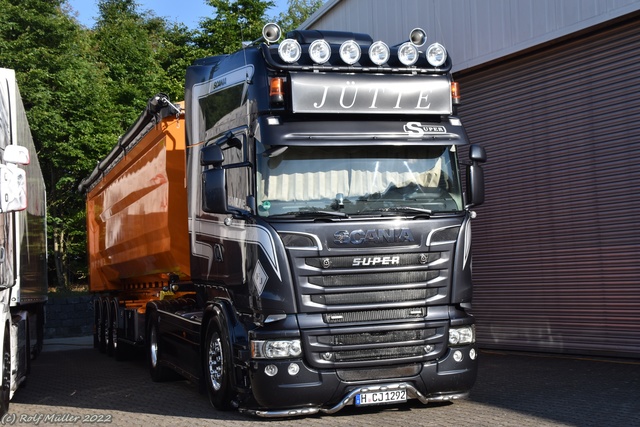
357	180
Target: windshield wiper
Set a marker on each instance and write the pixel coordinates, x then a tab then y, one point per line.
312	213
320	213
401	209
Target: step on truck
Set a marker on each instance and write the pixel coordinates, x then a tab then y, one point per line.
296	236
23	242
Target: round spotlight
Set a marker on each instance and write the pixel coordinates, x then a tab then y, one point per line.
350	52
457	356
320	51
408	54
289	51
418	36
379	53
436	54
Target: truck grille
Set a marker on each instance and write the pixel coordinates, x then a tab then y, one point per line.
374	307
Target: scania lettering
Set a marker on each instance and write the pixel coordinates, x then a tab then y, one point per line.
295	237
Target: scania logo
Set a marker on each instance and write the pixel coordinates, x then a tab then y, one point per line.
379	235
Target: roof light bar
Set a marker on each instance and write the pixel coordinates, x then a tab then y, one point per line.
379	53
320	51
350	52
289	51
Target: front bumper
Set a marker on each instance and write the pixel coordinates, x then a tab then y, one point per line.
312	391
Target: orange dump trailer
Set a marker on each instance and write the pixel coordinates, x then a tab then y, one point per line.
138	241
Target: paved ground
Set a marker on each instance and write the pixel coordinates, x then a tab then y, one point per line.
71	380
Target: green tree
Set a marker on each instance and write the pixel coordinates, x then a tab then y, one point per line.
234	22
124	47
70	114
297	12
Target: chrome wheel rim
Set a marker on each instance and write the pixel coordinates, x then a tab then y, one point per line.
215	363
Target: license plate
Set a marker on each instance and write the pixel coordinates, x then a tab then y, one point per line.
381	397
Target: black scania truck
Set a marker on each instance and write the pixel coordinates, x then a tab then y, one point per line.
329	230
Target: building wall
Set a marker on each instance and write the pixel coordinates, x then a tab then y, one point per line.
473	31
556	244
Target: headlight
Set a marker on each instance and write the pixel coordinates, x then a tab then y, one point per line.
320	51
408	54
350	52
289	51
379	53
275	349
436	54
463	335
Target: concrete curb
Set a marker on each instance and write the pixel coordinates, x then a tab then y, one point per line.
71	343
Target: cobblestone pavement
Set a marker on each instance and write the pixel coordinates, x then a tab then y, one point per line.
67	387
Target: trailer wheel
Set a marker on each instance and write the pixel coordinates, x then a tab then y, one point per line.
158	372
6	373
96	323
217	366
112	327
104	325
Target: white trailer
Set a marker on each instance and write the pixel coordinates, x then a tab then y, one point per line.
23	242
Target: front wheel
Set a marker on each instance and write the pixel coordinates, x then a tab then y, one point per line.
217	366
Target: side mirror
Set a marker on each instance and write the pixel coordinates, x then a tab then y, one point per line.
16	154
214	180
214	191
211	155
475	175
13	188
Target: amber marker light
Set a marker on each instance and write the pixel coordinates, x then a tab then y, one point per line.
455	92
276	90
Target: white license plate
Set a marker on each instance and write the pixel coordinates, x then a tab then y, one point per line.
381	397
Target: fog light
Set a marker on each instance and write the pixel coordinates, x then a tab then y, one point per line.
271	370
289	51
457	355
473	354
293	369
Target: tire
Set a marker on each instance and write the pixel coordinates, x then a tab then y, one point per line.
158	372
104	325
217	366
96	323
5	388
112	327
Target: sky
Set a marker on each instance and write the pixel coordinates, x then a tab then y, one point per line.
188	12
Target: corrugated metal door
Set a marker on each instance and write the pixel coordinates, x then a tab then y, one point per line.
557	243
